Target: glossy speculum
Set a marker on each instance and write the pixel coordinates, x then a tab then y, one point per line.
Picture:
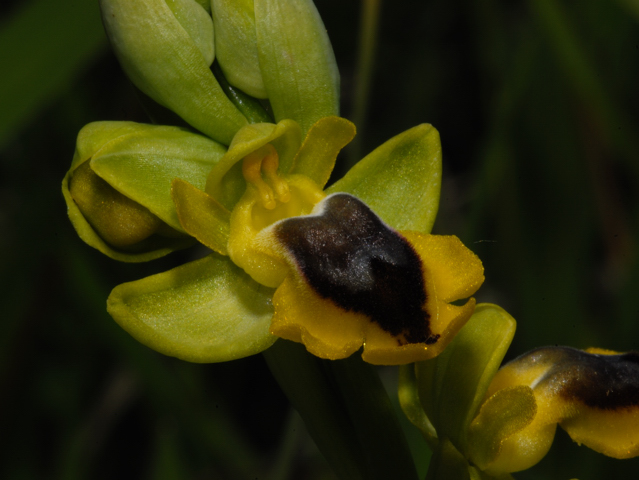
349	256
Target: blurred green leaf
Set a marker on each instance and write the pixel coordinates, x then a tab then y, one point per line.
43	47
632	6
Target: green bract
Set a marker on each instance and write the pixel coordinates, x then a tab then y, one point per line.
132	165
442	396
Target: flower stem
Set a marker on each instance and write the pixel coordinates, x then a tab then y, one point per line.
379	432
347	412
364	71
304	380
250	107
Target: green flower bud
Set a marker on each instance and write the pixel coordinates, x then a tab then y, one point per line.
118	190
236	45
197	23
297	61
166	47
205	4
116	218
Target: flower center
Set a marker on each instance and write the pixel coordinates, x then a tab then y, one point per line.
260	169
269	198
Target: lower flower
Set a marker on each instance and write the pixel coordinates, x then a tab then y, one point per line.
482	422
593	395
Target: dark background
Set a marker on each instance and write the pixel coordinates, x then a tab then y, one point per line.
536	103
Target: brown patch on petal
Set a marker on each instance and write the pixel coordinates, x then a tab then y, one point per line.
350	257
606	382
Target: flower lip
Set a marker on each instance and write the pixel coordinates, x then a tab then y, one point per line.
593	395
350	257
604	382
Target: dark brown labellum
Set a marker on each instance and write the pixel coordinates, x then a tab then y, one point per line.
606	382
350	257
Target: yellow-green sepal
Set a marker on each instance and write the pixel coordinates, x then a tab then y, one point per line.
103	137
226	183
143	164
163	60
297	61
400	180
453	385
316	157
205	311
236	45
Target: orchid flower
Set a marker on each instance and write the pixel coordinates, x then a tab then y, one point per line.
337	269
484	422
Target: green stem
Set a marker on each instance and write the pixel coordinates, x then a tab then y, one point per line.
412	407
347	412
365	63
380	434
613	122
250	107
289	446
304	381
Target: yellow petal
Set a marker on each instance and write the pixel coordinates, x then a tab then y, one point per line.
614	433
317	155
504	414
382	348
326	330
456	271
451	272
251	245
225	182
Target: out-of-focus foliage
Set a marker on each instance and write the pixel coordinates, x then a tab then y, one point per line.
536	103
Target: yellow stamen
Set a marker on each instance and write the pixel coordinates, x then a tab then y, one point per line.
252	171
266	160
269	166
